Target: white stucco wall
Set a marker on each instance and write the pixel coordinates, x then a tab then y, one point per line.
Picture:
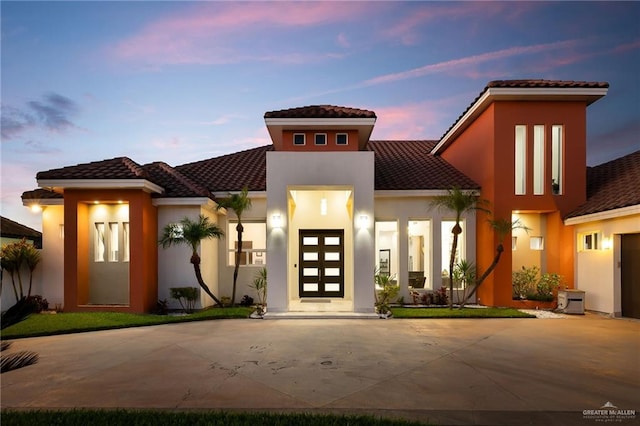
598	271
314	171
174	267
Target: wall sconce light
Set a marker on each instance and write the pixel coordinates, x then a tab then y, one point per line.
363	221
323	206
276	220
607	243
35	208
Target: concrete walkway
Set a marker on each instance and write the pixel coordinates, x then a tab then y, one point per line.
454	371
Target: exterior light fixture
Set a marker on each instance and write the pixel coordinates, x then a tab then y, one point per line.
607	243
35	208
363	221
276	220
323	206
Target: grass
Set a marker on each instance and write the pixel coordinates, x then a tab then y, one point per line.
459	313
178	418
76	322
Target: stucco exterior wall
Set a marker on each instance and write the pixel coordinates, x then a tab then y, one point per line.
598	271
317	170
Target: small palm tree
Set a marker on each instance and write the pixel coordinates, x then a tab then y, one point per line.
502	227
459	202
238	203
191	233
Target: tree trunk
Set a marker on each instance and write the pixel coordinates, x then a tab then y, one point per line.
195	260
454	247
240	229
486	273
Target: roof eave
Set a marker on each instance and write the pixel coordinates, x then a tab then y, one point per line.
604	215
59	185
493	94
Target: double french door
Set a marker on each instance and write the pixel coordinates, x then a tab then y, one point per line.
321	263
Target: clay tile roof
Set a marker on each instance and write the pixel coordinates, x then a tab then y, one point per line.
41	194
321	111
612	185
115	168
408	165
547	83
11	229
231	172
175	184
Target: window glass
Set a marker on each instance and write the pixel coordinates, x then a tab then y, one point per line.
386	246
125	242
298	139
342	139
254	243
556	159
521	160
419	242
321	139
98	242
447	245
538	160
114	239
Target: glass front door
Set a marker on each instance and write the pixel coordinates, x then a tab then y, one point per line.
322	263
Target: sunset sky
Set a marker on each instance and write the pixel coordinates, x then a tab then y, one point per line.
184	81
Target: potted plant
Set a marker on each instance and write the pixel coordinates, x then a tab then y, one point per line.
386	290
259	284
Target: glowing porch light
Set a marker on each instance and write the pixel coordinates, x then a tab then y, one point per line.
323	206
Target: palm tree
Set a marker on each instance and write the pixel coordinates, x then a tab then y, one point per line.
459	202
191	233
238	203
502	227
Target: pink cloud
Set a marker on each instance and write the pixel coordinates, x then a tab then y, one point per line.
421	120
210	33
465	64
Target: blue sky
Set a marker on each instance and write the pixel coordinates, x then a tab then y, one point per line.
184	81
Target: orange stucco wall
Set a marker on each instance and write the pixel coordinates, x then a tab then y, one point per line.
287	141
143	265
485	151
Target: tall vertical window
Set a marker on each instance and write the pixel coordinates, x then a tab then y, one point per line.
556	158
521	160
447	246
386	246
98	242
538	160
419	253
125	242
113	241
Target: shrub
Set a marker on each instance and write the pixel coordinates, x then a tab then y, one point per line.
440	296
187	296
385	292
547	284
37	303
524	282
246	300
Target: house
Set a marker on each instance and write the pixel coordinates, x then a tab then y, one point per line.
330	206
11	231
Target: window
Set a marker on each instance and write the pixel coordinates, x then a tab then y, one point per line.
254	243
589	241
98	242
298	139
447	245
536	243
113	241
126	239
521	160
419	253
321	139
386	248
556	158
342	139
538	160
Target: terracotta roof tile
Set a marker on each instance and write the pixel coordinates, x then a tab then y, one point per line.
612	185
321	111
41	194
547	83
231	172
408	165
175	184
115	168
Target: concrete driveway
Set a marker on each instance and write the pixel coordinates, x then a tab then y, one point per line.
453	371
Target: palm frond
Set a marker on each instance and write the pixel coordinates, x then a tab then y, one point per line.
17	360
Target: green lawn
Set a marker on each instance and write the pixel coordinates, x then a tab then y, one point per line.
459	313
75	322
186	418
